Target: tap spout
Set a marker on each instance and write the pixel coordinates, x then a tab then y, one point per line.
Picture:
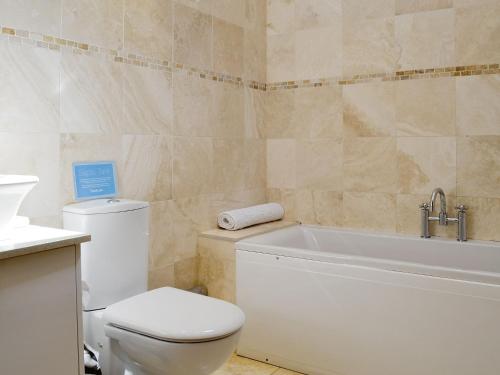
442	202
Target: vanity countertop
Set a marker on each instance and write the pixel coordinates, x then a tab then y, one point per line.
33	239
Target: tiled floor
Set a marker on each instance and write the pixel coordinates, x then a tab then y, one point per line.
243	366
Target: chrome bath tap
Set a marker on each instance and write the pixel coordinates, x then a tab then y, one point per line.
442	218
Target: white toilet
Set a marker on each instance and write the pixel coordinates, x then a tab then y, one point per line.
164	331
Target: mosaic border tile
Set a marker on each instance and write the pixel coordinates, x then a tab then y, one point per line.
449	71
120	56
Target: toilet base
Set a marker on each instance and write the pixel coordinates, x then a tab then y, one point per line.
142	355
94	336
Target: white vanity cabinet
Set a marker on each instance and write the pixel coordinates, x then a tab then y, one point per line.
40	304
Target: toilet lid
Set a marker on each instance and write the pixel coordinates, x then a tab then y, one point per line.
175	315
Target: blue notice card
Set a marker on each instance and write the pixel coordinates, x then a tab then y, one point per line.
94	180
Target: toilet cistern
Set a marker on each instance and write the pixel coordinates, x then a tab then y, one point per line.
442	218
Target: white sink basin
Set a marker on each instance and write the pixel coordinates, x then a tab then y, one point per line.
13	189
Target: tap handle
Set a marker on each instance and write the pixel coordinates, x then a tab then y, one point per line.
424	206
462	222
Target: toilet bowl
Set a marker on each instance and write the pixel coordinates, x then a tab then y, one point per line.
168	331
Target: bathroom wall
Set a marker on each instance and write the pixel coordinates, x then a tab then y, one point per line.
166	88
372	104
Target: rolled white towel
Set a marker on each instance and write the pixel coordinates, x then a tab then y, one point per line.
245	217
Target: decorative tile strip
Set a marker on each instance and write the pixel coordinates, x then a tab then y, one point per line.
450	71
119	56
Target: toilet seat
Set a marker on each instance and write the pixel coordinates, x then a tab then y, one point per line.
174	315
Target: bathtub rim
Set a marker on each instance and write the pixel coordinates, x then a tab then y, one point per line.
422	269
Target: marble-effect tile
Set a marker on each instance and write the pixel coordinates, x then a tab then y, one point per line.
148	28
95	22
91	95
42	16
29	93
192	37
425	39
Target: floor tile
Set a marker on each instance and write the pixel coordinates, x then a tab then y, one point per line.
243	366
283	371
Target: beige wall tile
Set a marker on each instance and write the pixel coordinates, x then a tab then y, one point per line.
191	216
426	39
192	37
193	106
229	110
477	31
478	112
229	165
363	211
317	112
29	92
217	268
369	109
319	164
95	22
483	216
426	163
255	163
413	6
473	3
254	112
204	6
233	11
286	197
254	55
370	165
278	114
478	161
318	52
147	167
219	249
280	57
369	46
186	273
366	9
34	154
228	48
160	277
425	107
317	13
161	230
280	16
42	16
148	28
91	95
281	156
147	100
193	166
319	207
255	15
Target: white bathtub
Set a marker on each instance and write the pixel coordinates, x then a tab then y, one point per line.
327	301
